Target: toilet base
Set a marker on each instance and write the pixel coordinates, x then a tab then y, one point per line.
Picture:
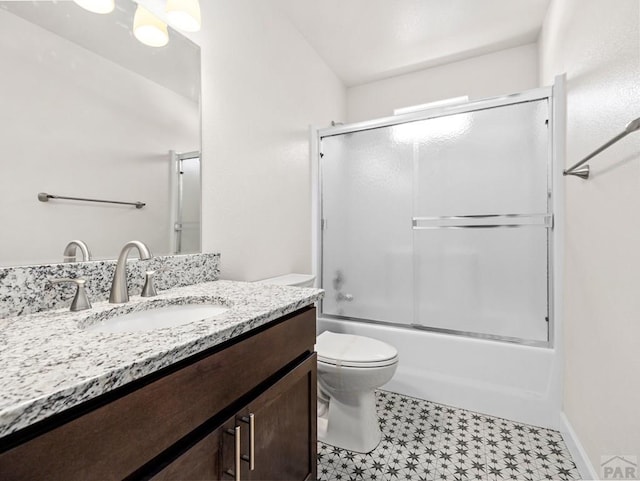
352	422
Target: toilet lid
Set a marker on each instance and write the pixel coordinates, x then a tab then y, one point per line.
354	351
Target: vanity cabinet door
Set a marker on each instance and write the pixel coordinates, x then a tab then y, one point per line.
284	427
282	423
213	457
202	462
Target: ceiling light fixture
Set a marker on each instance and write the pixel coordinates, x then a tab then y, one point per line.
97	6
149	29
184	14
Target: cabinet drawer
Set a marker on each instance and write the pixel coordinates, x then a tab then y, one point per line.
115	439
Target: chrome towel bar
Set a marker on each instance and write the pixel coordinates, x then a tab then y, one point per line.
44	197
583	172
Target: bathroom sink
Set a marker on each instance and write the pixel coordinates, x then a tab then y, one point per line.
157	318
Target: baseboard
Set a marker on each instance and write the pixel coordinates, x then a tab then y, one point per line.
576	449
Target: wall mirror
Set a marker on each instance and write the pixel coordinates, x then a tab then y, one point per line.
90	112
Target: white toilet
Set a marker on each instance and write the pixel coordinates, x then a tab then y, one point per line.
350	369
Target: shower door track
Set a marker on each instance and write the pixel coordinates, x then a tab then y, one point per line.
485	104
440	330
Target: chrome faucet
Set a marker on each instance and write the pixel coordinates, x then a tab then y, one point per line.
72	249
119	291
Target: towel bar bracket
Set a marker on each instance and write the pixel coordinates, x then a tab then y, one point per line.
583	172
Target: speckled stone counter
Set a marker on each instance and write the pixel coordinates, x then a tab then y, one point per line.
26	289
50	362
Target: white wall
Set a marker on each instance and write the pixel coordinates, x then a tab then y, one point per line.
597	43
63	131
503	72
263	85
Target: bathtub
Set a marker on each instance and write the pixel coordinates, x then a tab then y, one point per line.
517	382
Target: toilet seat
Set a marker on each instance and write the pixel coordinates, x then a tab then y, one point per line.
348	350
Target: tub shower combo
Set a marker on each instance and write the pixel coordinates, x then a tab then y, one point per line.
435	233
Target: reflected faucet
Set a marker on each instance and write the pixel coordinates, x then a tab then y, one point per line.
119	291
338	282
72	249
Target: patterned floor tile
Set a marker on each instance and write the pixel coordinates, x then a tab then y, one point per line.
426	441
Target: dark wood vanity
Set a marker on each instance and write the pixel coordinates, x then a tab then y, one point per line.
247	403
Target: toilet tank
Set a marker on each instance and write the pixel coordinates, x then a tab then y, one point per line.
298	280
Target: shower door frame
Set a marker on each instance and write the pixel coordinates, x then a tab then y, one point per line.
176	198
554	118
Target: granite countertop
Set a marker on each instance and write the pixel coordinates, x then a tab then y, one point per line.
49	362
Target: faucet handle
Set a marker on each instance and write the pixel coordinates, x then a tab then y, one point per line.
80	300
149	289
344	297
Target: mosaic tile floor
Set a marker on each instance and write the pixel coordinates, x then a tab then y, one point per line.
422	440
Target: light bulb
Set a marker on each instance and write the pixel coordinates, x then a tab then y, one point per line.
184	14
149	29
97	6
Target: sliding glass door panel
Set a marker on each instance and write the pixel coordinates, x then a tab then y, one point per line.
367	250
490	281
489	161
481	220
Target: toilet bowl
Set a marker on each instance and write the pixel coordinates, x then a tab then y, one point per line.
350	369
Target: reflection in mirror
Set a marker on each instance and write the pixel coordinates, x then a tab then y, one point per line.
186	202
90	112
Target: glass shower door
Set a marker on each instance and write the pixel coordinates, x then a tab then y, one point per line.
481	221
441	223
367	252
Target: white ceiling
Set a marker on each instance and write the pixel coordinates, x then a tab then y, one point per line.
367	40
